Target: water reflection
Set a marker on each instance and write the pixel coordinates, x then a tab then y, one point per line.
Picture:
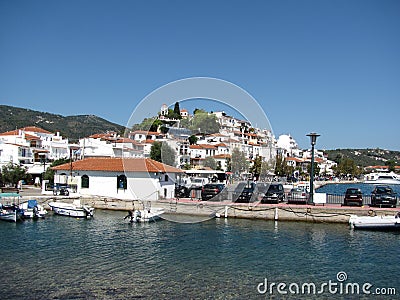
220	258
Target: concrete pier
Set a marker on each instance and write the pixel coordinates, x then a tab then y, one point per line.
327	213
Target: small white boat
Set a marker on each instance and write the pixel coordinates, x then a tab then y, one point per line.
375	222
74	209
32	210
144	215
382	178
10	212
8	215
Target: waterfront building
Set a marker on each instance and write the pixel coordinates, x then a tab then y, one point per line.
33	148
129	179
41	143
108	144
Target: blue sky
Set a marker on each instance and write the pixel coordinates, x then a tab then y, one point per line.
315	65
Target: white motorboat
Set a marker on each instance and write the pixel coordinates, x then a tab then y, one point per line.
74	209
32	210
144	215
7	214
382	178
10	211
375	222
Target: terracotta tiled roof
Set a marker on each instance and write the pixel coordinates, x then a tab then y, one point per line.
222	156
35	129
148	141
146	132
118	165
12	132
126	140
202	146
30	137
207	146
26	129
296	159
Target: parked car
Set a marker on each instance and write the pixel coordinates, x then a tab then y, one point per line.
298	195
353	196
211	190
383	195
181	191
245	193
197	183
274	194
61	189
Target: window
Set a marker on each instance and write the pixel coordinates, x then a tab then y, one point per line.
85	181
121	182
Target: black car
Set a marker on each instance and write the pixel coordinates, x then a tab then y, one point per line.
353	196
182	191
211	190
383	195
274	194
245	193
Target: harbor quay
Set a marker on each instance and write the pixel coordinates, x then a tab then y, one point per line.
326	213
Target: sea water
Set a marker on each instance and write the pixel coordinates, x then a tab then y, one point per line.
366	189
106	258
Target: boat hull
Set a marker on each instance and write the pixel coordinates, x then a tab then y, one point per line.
71	210
375	222
32	210
9	216
143	216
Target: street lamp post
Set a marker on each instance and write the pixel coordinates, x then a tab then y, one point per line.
313	137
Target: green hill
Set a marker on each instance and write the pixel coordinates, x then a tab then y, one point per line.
72	127
365	157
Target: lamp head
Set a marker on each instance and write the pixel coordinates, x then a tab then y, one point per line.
313	137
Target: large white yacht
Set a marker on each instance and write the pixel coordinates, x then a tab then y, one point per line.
382	178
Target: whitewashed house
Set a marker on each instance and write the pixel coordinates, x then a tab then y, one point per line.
129	178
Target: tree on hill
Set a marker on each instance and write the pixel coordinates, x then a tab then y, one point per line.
347	167
162	152
192	140
210	162
238	163
148	124
391	164
204	123
177	111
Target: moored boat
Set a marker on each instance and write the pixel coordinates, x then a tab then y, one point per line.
74	209
32	210
375	222
382	178
144	215
10	211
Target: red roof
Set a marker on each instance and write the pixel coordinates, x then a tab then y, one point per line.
202	146
30	137
118	165
26	129
35	129
222	156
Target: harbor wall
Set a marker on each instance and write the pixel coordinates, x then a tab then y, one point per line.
280	212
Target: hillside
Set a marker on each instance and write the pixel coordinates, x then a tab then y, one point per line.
365	157
72	127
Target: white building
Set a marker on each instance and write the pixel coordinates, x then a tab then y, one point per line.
109	145
129	179
41	143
